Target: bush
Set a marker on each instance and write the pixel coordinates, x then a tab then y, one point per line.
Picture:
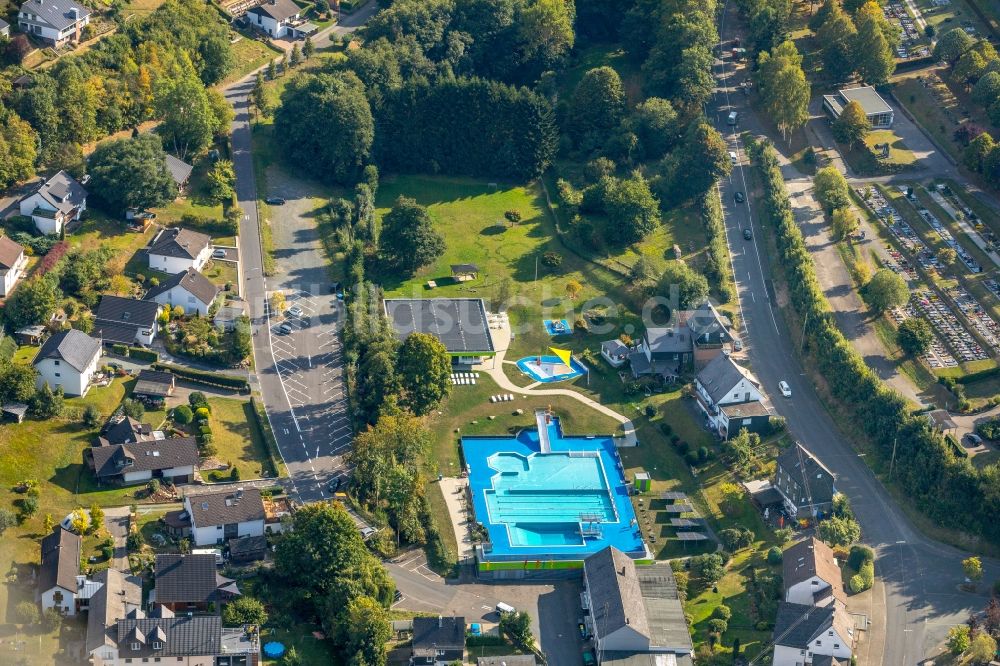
142	354
183	414
120	349
552	260
857	584
91	416
717	626
989	429
26	612
135	542
202	377
774	555
691	458
197	399
722	612
859	555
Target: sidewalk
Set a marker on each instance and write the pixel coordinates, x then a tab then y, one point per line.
453	489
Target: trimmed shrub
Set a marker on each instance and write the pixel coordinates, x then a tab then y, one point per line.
183	414
859	555
717	626
722	612
774	555
120	349
202	377
142	354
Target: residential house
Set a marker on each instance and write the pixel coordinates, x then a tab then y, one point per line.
189	289
663	351
117	596
633	610
806	485
55	22
174	250
57	201
724	382
127	321
191	583
153	386
279	19
126	430
190	640
811	575
711	332
173	459
438	640
179	170
219	515
4	29
59	579
68	359
803	634
877	110
13	261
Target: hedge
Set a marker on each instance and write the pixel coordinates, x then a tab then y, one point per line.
202	377
267	436
484	640
718	252
974	377
143	354
120	349
946	488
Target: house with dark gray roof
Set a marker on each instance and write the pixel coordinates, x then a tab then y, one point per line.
191	582
803	633
125	430
57	202
13	261
811	575
247	549
173	459
175	249
68	359
59	579
127	321
633	610
55	22
438	640
724	383
190	290
153	385
179	170
279	19
116	597
806	484
219	515
4	29
192	639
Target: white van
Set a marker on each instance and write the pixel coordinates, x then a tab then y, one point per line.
503	609
733	158
732	118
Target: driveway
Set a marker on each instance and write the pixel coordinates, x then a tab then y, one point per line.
554	607
116	521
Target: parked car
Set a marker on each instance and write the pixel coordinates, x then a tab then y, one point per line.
972	439
737	344
747	234
397	596
785	389
295	311
588	657
367	532
218	253
274	201
285	328
740	198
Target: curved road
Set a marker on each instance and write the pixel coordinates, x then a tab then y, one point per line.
919	577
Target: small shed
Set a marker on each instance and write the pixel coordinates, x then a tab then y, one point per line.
15	411
464	272
247	549
642	482
941	421
154	385
31	335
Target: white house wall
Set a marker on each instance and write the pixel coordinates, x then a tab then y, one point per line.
624	639
802	593
68	605
13	275
180	296
73	383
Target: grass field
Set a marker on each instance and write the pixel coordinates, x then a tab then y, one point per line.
249	54
898	152
238	443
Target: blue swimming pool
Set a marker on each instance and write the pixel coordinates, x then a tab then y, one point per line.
565	503
557	327
550	368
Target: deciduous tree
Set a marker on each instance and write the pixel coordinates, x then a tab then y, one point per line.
875	44
424	369
914	336
409	240
852	125
596	108
131	174
885	290
784	90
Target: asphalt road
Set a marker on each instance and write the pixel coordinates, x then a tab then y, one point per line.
299	376
920	576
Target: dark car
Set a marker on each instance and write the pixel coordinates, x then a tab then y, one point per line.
739	197
747	234
274	201
588	657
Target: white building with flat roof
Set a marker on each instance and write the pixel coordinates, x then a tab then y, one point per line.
878	111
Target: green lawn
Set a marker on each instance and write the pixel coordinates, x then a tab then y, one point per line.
99	230
221	273
310	649
898	152
249	55
238	443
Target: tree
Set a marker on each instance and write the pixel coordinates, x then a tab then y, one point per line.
784	90
96	518
691	287
369	629
545	32
27	613
839	531
952	45
958	639
832	190
982	649
80	521
131	174
972	567
189	120
424	369
837	37
517	627
183	414
18	141
718	626
987	89
242	341
48	523
573	289
296	56
133	408
33	302
975	154
709	567
17	382
886	290
852	125
308	48
735	538
291	658
261	98
875	44
328	125
272	71
947	256
46	403
844	222
8	519
222	181
244	610
409	240
774	556
694	167
655	123
914	336
596	108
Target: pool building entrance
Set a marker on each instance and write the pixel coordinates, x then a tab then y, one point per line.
544	496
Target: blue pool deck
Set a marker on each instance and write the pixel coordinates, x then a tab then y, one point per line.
551	369
550	498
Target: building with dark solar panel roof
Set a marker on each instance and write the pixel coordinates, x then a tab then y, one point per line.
460	324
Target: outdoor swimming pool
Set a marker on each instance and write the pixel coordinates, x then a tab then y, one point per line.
565	502
551	368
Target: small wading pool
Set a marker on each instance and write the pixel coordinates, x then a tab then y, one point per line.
550	368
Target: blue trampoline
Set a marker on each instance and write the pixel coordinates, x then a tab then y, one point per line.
274	650
550	368
557	327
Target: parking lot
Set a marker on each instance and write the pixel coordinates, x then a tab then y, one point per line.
307	355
